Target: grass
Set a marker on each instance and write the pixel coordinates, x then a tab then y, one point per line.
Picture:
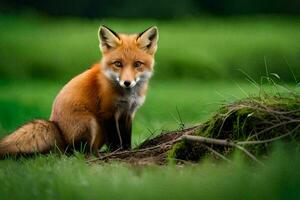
202	48
54	177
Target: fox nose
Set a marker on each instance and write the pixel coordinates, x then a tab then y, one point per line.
127	83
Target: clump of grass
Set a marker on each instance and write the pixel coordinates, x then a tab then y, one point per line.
254	123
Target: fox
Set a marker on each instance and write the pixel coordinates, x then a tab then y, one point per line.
96	107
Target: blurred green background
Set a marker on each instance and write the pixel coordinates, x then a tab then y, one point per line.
207	40
207	51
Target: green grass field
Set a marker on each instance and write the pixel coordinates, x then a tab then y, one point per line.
205	48
197	71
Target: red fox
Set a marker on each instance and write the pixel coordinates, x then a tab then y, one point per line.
96	107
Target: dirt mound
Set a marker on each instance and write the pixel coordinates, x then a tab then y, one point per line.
251	125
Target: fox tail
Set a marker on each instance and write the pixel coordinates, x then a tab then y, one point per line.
38	136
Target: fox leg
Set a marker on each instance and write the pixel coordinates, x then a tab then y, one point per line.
117	131
112	138
81	127
125	123
124	128
97	139
117	117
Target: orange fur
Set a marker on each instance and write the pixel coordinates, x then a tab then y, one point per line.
95	107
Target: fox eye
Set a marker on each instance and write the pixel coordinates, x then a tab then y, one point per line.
137	64
118	64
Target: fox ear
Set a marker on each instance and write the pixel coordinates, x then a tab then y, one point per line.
108	39
147	40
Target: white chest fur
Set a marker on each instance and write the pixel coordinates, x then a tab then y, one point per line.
129	102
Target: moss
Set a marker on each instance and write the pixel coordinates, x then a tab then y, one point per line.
186	151
175	150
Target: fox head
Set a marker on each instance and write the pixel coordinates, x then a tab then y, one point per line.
128	59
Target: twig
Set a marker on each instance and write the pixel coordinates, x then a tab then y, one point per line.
268	140
206	140
217	153
248	154
219	142
274	126
118	153
223	122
